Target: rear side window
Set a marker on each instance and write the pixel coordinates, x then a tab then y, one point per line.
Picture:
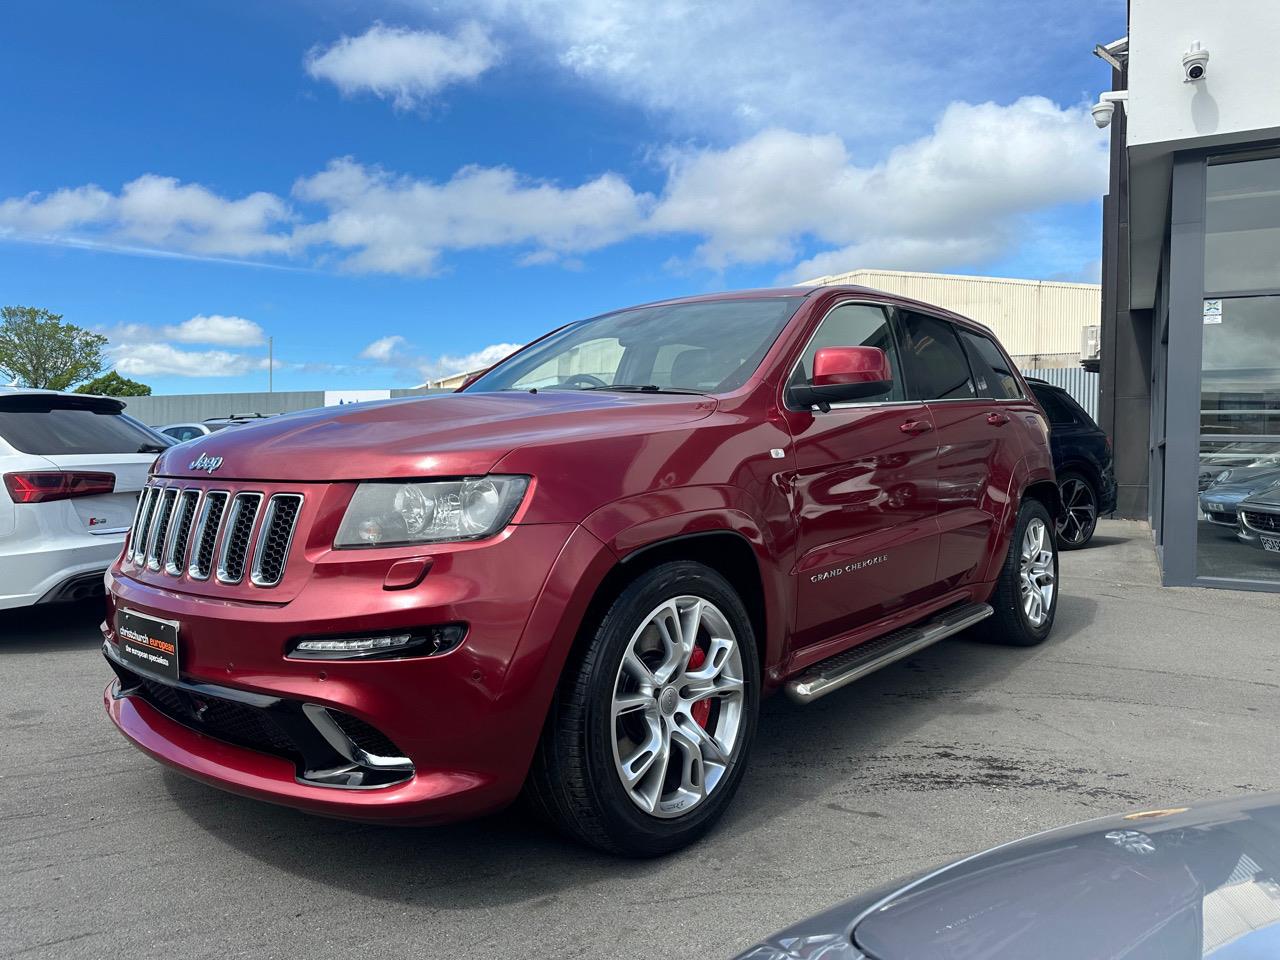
854	325
1059	409
992	375
50	429
936	365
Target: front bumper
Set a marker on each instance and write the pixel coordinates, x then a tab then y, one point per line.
1221	512
467	721
1256	523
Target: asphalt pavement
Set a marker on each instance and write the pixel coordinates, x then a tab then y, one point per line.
1143	696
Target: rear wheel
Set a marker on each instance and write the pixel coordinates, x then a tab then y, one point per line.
649	734
1026	595
1079	511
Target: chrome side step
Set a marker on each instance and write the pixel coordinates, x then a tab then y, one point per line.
833	673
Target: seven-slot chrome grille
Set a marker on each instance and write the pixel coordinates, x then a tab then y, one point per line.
219	534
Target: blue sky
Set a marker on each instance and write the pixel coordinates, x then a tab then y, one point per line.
393	190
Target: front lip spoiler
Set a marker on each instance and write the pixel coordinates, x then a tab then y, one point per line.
327	757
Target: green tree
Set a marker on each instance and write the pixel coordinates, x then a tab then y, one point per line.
38	350
111	384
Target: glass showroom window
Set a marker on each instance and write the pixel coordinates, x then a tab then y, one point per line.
1239	475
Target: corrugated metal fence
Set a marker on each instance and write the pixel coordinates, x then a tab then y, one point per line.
1080	383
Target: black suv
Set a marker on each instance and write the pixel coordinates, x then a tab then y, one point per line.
1082	460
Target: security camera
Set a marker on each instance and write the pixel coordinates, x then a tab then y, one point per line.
1105	108
1195	62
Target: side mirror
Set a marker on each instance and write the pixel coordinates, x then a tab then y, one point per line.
841	374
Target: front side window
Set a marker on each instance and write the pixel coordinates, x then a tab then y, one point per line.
993	377
935	365
700	347
854	325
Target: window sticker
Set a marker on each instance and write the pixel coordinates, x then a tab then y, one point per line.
1213	311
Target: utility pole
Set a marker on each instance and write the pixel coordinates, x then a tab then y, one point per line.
271	363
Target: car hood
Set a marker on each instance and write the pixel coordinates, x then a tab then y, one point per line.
1175	883
1268	498
456	434
1251	475
1237	489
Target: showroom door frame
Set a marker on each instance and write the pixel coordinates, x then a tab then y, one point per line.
1187	293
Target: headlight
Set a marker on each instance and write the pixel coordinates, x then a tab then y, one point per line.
1223	477
386	514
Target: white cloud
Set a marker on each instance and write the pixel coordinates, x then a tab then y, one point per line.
391	224
876	73
401	65
954	197
217	329
163	359
396	353
145	350
443	366
385	349
160	212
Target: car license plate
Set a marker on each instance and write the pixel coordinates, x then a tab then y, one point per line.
1271	543
147	644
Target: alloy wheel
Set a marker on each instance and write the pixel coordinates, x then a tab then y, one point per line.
1037	573
677	706
1080	512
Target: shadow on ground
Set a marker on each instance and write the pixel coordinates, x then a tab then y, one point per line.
49	627
851	740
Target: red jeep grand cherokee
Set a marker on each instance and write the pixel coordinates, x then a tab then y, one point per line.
578	575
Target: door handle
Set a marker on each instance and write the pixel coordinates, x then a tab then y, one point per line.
997	419
916	426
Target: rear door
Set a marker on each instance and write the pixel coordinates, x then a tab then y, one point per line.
84	434
865	491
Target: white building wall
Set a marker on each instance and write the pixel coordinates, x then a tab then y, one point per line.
1241	87
1036	320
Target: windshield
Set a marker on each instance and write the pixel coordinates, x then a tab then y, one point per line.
707	347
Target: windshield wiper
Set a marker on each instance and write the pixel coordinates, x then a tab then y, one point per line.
641	388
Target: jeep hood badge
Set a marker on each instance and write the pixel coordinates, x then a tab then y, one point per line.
206	463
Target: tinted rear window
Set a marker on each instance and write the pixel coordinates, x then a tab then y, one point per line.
1058	407
51	430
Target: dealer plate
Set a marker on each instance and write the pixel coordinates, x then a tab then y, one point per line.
1271	543
148	644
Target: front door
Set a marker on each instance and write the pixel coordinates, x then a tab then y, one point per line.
865	492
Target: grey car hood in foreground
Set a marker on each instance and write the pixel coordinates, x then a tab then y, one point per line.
1170	884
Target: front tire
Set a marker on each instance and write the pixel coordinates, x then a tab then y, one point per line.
649	733
1026	595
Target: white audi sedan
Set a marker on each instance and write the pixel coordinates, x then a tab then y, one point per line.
72	466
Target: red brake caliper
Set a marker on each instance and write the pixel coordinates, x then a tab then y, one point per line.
702	709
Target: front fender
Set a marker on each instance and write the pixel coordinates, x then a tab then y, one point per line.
660	516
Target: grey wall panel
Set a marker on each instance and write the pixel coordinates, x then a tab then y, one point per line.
194	407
